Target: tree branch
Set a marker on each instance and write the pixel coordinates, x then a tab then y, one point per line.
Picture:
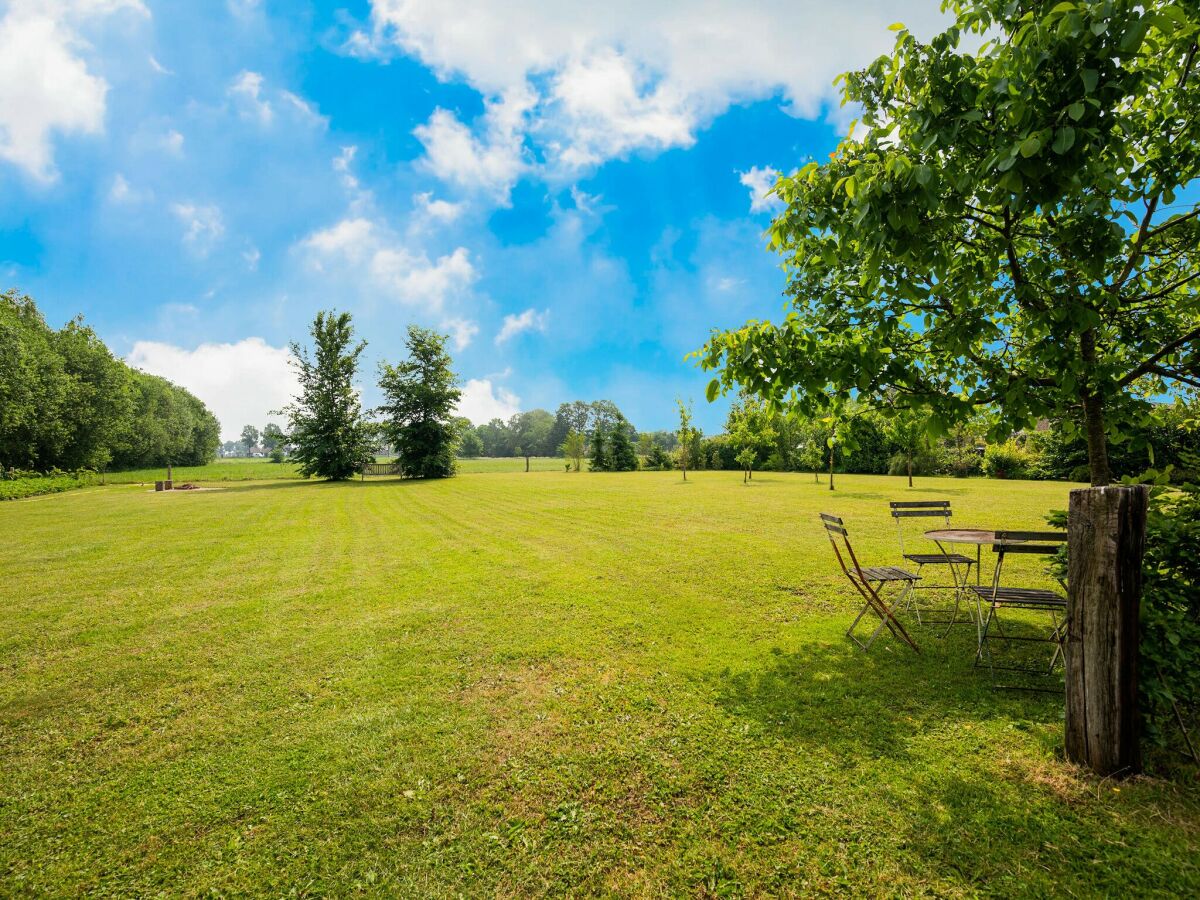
1152	363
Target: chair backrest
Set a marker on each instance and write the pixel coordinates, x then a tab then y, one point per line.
1043	543
1046	543
835	528
917	509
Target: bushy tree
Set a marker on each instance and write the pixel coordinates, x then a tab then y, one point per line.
533	433
573	448
325	421
273	436
908	430
621	456
421	395
1008	230
751	430
250	437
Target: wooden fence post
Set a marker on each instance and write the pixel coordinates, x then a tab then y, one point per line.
1107	534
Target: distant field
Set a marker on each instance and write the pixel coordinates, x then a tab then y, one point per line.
565	684
237	469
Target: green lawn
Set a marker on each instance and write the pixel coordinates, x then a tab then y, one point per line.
525	684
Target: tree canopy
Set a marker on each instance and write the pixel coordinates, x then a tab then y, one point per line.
1007	229
421	394
325	421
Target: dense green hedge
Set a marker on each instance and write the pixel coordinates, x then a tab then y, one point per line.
66	402
16	484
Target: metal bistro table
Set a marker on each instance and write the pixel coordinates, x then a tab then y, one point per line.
977	536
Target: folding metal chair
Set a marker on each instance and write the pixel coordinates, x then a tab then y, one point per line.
869	582
903	510
999	596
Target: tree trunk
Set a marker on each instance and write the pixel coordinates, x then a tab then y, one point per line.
1093	416
1107	532
910	471
831	468
527	464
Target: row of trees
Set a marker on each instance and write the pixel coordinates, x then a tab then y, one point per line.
328	432
66	402
270	438
538	432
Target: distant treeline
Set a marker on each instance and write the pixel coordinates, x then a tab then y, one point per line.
67	403
538	432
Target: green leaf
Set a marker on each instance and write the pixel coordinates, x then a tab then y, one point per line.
1075	111
851	187
1064	140
1090	79
1031	145
714	388
896	26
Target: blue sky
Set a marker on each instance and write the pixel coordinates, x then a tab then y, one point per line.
572	191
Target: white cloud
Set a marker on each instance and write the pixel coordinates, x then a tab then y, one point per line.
631	74
483	401
159	67
202	226
46	88
122	192
359	246
438	210
240	382
461	331
760	180
172	142
530	320
490	163
246	92
252	255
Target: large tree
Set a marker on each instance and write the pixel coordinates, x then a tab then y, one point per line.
1008	229
325	421
420	397
250	436
533	430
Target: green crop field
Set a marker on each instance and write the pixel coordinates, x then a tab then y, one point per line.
510	683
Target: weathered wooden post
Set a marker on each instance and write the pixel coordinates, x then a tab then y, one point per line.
1106	535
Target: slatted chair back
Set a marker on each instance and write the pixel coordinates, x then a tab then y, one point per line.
835	528
1041	543
918	509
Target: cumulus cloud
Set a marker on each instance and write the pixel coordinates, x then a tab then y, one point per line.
46	87
760	180
483	401
461	331
364	248
202	226
601	80
240	382
530	320
172	142
121	192
246	93
436	210
490	162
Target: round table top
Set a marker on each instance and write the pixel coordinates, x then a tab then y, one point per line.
962	535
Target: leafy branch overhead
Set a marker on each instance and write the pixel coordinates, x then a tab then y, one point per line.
1007	227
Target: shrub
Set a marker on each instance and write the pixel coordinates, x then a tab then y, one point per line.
658	458
277	455
1007	460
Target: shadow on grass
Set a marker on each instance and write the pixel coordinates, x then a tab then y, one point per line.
874	704
317	484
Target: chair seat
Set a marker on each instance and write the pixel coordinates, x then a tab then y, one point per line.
933	559
1030	598
888	573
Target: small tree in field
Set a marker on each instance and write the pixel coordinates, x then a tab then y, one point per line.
421	394
325	420
573	448
751	430
272	436
598	461
249	437
909	432
689	435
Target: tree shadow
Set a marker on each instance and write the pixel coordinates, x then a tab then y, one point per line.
873	704
316	484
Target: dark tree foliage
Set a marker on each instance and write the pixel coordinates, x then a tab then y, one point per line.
273	436
325	420
421	394
598	457
621	455
67	403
